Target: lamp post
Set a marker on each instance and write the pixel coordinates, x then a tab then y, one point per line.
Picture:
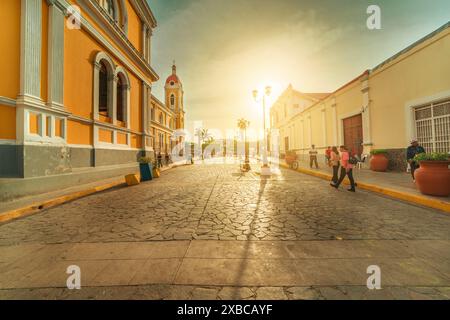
267	92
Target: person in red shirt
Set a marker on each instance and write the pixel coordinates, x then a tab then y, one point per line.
346	170
328	156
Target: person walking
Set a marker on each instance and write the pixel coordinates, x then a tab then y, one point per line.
335	163
159	160
313	157
346	169
167	158
328	156
413	150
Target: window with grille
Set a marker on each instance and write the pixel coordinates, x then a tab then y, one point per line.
433	126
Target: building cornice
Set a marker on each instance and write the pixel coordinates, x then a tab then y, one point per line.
159	126
92	9
145	13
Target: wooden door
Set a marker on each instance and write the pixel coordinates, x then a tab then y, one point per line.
353	134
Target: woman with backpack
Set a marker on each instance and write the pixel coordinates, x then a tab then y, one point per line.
335	163
347	162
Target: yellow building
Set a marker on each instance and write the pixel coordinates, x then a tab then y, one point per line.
75	96
167	119
404	97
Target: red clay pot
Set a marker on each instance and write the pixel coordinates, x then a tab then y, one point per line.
379	162
433	178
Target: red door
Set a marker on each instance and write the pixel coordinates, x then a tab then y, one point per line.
353	134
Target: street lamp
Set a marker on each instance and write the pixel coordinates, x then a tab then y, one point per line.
268	90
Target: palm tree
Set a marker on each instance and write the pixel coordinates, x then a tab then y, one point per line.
243	125
202	135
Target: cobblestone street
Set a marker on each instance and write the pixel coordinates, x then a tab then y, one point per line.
301	216
217	202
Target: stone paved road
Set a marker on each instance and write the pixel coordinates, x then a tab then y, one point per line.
216	202
112	231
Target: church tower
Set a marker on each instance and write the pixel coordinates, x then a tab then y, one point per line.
174	97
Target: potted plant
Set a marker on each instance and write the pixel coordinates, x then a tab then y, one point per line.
379	161
145	167
433	176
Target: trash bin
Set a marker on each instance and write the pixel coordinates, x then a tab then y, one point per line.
146	171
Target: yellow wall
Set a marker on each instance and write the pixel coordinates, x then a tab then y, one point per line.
34	123
136	103
7	123
79	133
79	53
58	127
105	136
135	141
9	49
134	27
121	138
423	74
420	73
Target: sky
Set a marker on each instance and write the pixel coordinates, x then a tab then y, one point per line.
224	49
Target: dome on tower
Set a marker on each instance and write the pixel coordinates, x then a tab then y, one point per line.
173	78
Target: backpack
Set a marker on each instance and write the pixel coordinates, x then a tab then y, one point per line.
351	159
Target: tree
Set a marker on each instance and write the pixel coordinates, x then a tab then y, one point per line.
203	135
243	125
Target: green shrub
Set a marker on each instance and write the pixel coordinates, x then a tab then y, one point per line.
145	160
434	156
378	151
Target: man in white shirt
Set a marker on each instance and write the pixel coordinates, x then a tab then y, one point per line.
313	157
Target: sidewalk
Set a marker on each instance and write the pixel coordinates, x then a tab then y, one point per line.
394	184
29	205
208	270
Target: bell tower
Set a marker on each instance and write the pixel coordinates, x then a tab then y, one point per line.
175	96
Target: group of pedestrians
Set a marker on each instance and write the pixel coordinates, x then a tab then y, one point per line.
159	158
342	159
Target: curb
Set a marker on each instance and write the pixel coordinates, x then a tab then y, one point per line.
38	206
404	196
45	204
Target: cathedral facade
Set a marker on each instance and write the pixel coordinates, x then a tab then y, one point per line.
77	104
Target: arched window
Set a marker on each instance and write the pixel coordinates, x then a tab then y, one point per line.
122	95
120	102
103	89
172	101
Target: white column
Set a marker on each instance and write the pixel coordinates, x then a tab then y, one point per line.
146	99
302	133
310	141
367	136
128	107
31	48
335	122
55	57
113	97
324	125
144	40
149	46
96	87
